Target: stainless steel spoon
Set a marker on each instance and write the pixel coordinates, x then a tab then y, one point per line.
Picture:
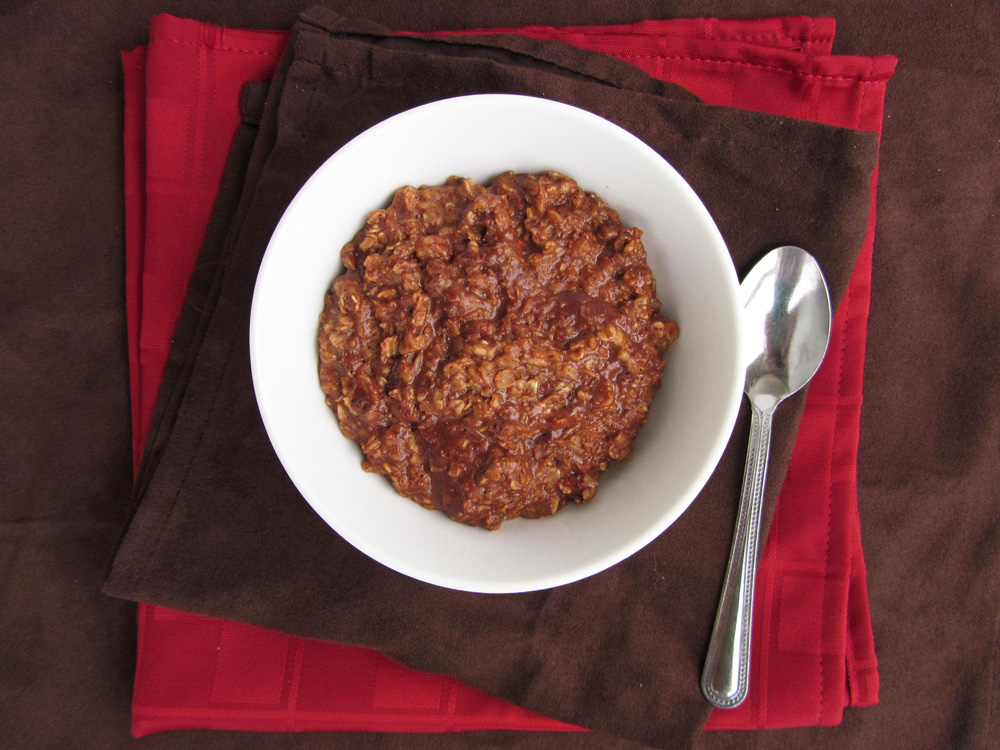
786	314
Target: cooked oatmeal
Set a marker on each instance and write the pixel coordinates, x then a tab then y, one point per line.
493	348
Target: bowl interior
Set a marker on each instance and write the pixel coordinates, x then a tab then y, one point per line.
690	419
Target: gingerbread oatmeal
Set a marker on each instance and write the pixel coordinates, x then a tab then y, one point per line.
493	348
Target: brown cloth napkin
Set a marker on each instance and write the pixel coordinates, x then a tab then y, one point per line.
219	529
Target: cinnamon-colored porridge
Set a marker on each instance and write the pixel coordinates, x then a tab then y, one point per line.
491	349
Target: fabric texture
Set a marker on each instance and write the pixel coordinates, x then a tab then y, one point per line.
183	39
173	32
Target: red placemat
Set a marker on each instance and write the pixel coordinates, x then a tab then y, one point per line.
813	651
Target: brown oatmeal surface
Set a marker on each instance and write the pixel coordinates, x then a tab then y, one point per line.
491	349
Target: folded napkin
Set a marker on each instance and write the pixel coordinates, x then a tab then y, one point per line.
835	157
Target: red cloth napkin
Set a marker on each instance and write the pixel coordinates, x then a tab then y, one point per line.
813	649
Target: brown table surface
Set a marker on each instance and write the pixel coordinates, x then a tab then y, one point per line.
929	464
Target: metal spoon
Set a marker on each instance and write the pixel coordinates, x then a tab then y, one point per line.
786	309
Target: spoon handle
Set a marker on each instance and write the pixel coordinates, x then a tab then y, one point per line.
726	676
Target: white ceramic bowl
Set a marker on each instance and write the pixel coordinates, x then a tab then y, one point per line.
691	417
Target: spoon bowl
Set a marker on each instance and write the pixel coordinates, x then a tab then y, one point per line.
787	317
786	308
